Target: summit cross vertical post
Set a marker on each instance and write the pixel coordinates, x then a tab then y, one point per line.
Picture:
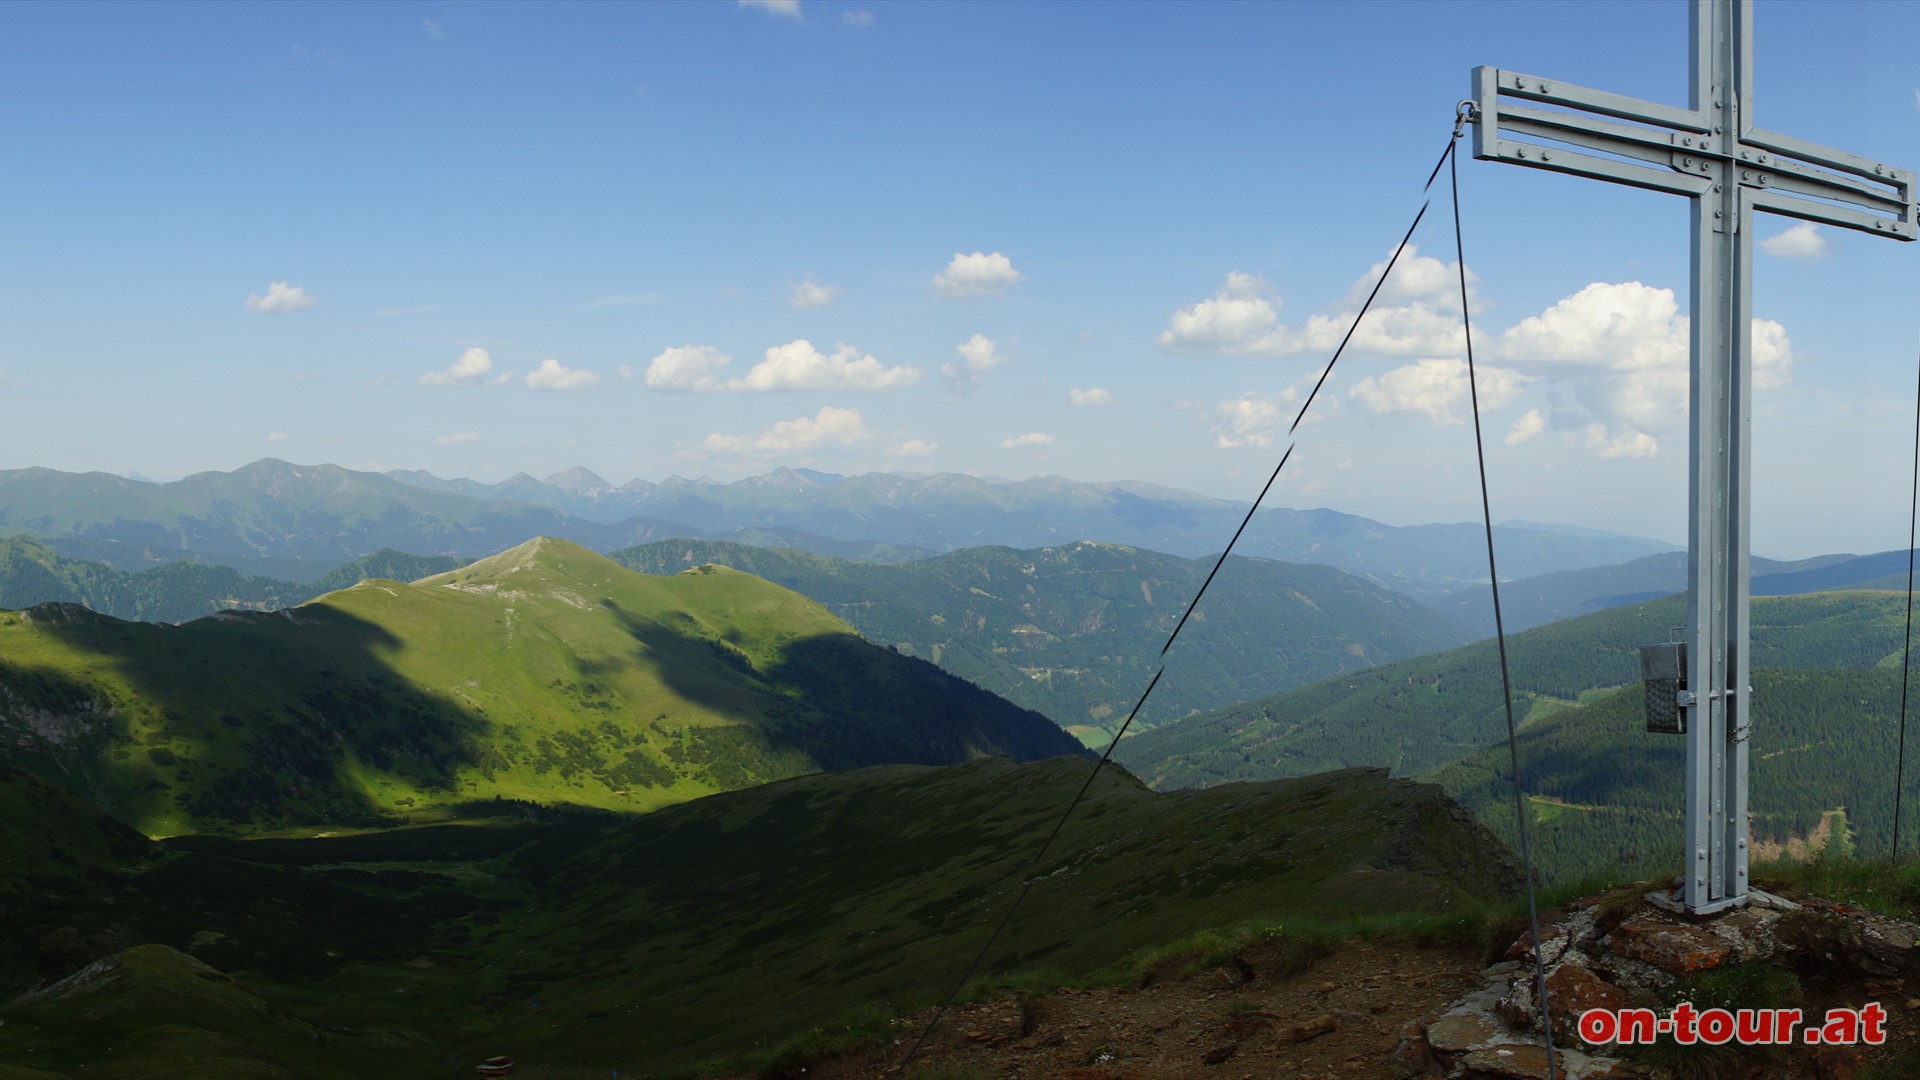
1711	153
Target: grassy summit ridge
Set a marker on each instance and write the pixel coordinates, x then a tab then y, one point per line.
544	673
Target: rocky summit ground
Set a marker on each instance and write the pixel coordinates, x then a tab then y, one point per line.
1368	1008
1258	1015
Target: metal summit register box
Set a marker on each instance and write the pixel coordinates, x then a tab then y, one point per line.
1663	668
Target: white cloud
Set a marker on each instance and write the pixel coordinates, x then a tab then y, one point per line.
625	371
433	28
1021	442
1527	428
978	355
278	436
810	294
856	17
1091	396
1802	241
1417	313
797	365
913	448
1624	351
783	9
281	299
687	367
1629	444
1248	419
974	276
1238	318
830	425
1438	389
472	367
553	375
462	437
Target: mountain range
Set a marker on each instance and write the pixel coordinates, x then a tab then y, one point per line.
320	516
1074	631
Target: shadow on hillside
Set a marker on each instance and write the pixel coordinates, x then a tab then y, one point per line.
840	702
254	720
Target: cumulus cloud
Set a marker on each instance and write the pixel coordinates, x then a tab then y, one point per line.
687	368
1628	444
1624	351
913	448
1802	241
978	355
782	9
553	375
837	426
1249	420
1416	314
1437	389
281	299
472	367
1527	428
810	294
1241	317
625	372
797	365
1021	442
1091	396
462	437
974	276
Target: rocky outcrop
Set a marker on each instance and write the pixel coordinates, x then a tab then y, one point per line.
1617	950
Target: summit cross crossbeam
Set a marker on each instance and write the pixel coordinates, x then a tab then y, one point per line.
1728	168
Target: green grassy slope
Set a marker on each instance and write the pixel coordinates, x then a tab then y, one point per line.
1074	631
581	944
719	926
544	673
1415	715
1604	794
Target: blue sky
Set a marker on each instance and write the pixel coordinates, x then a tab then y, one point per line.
1005	239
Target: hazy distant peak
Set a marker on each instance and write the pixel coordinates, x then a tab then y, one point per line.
580	480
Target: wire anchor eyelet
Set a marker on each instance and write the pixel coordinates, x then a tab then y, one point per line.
1464	114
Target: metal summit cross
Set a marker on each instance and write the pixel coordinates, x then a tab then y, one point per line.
1711	153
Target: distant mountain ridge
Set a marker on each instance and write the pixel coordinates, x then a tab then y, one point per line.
273	509
1073	630
948	511
1529	602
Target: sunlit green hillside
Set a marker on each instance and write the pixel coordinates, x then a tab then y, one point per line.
544	673
1417	714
